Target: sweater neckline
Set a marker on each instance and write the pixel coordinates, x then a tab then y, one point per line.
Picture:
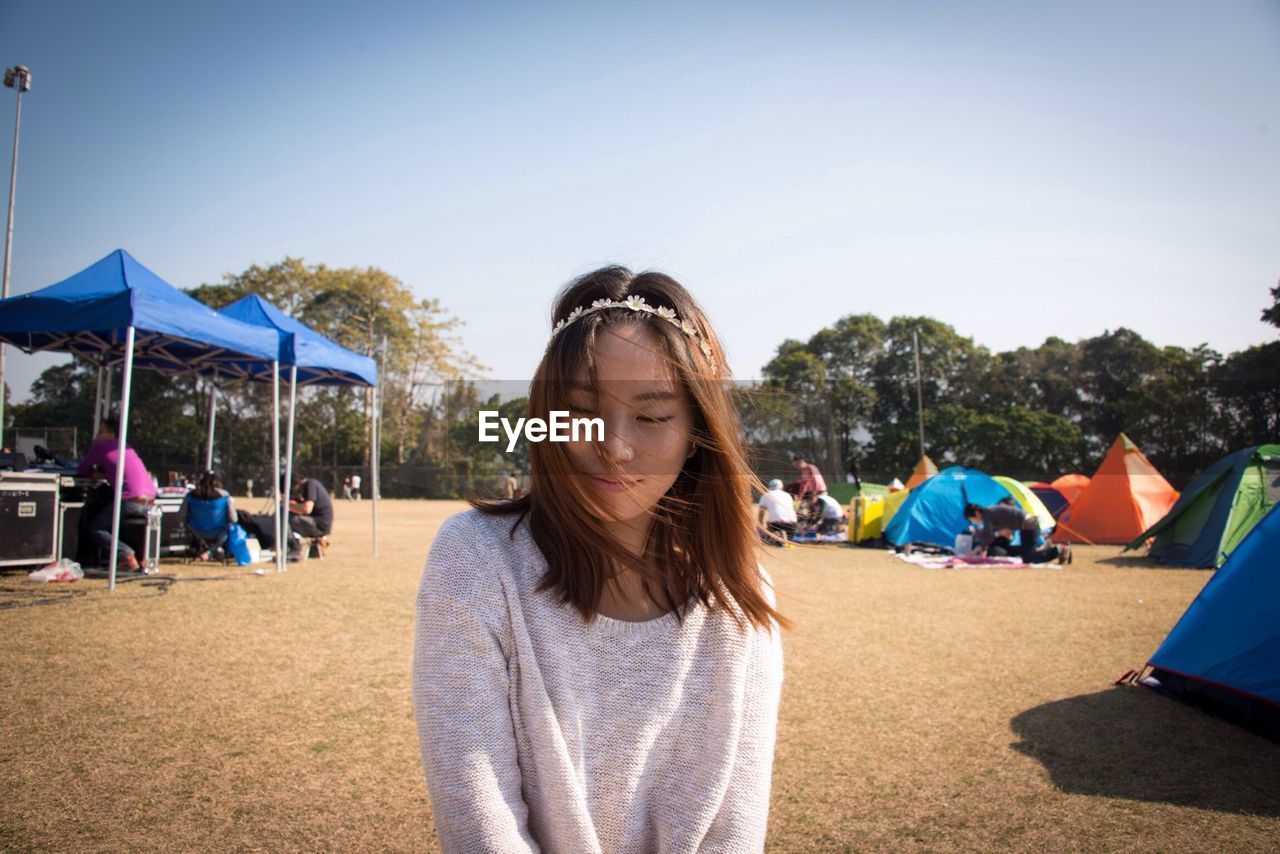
613	627
601	624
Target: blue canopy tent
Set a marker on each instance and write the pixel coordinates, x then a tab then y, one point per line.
312	359
116	311
933	511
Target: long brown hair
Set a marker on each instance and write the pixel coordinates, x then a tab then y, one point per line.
209	485
702	540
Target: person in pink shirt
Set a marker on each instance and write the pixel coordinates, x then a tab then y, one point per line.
137	494
811	480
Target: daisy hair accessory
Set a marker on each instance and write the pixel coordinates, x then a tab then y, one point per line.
633	302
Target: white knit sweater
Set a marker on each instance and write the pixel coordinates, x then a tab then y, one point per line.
540	731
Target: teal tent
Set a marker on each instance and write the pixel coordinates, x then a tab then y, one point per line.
1217	510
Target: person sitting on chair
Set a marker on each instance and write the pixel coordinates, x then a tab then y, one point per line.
137	494
310	514
208	512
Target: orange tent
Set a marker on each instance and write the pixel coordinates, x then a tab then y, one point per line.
1125	497
1071	485
923	470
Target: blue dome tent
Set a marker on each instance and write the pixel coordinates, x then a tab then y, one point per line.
1224	652
934	510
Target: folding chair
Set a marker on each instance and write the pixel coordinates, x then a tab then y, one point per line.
208	525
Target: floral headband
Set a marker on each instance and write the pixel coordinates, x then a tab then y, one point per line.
632	302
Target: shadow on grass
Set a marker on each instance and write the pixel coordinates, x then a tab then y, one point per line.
1130	742
1137	561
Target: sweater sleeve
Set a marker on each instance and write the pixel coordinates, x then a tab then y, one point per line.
95	455
460	693
743	818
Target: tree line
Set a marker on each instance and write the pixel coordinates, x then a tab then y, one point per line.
847	394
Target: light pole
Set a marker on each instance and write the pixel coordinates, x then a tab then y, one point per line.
18	77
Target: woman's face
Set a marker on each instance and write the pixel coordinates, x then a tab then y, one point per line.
648	421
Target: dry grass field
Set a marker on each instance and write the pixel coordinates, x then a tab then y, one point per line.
923	709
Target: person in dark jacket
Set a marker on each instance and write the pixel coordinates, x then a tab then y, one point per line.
992	522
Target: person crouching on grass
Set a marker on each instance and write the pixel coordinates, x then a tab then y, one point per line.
597	663
777	514
999	521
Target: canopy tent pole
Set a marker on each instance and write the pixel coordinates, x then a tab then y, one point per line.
293	402
375	472
120	446
106	393
373	468
213	408
282	529
915	340
97	402
288	445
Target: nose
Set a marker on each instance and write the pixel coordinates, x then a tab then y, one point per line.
616	448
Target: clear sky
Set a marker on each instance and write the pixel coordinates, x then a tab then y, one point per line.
1017	170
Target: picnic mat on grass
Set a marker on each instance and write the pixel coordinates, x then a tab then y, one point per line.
958	562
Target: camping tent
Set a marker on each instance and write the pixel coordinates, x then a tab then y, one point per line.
117	311
923	470
1224	652
898	491
1125	496
1054	501
933	512
1217	509
1071	485
1028	501
892	501
312	359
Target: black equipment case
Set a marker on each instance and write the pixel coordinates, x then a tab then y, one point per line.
29	523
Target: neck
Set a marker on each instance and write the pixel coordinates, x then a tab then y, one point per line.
633	534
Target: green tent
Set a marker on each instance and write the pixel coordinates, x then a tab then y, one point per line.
1216	511
1028	501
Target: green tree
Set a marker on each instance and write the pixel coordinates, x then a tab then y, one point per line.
1177	419
368	311
62	396
849	350
953	371
1248	385
1114	368
796	381
1272	315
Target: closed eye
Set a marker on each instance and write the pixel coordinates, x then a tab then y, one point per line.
656	419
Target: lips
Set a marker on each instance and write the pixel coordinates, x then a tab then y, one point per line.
612	484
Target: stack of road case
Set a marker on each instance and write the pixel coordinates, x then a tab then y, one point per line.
29	518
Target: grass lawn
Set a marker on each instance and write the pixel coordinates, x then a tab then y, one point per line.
932	709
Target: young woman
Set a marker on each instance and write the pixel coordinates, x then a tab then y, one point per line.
208	512
597	663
